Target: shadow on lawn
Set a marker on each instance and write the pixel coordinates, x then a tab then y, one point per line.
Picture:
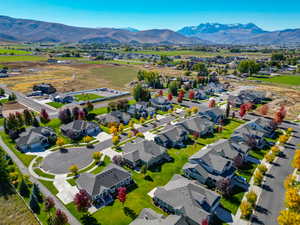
89	220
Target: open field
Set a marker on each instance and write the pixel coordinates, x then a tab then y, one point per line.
4	51
14	211
25	58
292	80
73	77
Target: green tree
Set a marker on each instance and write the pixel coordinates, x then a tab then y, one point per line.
173	88
23	188
37	193
248	66
33	203
4	173
140	93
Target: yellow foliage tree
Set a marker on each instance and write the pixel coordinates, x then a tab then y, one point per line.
287	217
270	157
97	156
194	109
258	177
130	134
275	150
113	130
262	167
296	160
121	127
142	120
73	169
115	139
87	139
246	209
131	123
251	197
283	139
60	142
292	199
289	181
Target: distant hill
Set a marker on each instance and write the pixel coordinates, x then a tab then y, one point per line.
12	29
240	34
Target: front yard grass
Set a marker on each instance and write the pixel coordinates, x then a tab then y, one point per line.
100	111
87	97
56	105
41	173
232	203
247	171
138	198
50	186
26	159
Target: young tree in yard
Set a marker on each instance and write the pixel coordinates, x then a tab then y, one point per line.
264	109
173	88
73	169
160	93
121	127
115	139
89	106
60	142
27	117
37	193
35	122
262	168
288	217
194	110
296	160
258	177
44	117
170	96
33	203
82	201
60	218
179	99
122	194
142	120
87	139
75	112
275	150
242	110
97	156
49	204
82	115
246	209
292	199
227	111
181	93
270	157
23	189
238	161
223	185
289	181
251	197
211	103
191	95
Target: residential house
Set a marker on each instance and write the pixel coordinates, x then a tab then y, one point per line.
215	162
215	114
77	129
245	96
181	196
143	153
114	117
198	126
150	217
174	137
44	88
161	103
141	109
63	98
264	125
35	139
102	187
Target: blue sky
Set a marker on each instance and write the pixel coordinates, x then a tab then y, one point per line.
172	14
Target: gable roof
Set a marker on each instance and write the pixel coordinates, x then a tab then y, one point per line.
34	135
192	199
79	125
96	184
172	134
198	123
144	150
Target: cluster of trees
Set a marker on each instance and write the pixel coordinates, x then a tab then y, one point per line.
15	123
67	115
248	66
121	105
290	215
141	93
248	205
152	79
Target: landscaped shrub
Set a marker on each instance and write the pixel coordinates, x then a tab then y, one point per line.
251	197
246	209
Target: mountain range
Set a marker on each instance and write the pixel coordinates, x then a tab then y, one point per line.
20	30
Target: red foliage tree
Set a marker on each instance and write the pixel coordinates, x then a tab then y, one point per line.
204	222
81	115
243	110
122	194
181	93
264	109
44	116
49	204
60	218
160	93
179	99
191	95
248	106
170	96
82	200
211	103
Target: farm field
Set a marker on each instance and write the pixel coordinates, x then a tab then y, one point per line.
293	80
4	51
14	211
74	77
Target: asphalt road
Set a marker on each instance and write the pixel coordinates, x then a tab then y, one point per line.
271	201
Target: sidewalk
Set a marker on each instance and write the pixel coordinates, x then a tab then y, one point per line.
66	192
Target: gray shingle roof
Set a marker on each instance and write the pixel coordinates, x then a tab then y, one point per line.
79	125
34	135
144	150
194	200
197	124
172	134
96	184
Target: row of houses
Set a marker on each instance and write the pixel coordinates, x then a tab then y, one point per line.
245	96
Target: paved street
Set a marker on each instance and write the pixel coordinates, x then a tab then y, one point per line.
272	197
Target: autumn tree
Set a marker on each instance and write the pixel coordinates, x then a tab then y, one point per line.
121	127
87	139
49	204
115	139
251	197
264	109
44	117
275	150
73	169
283	139
121	194
289	181
113	130
211	103
191	95
194	109
238	161
258	177
243	110
60	142
288	217
246	209
118	160
292	199
97	156
270	157
170	96
82	201
60	218
224	186
262	168
296	160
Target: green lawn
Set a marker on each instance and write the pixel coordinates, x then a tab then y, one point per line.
50	186
26	159
293	80
87	97
100	111
13	51
1	122
247	171
56	105
2	101
138	199
232	203
27	58
41	173
105	163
